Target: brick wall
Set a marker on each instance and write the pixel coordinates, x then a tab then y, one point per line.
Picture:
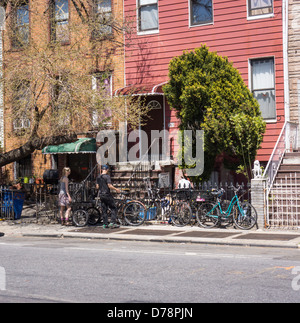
40	34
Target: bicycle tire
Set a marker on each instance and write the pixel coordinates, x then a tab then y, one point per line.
207	216
80	218
134	213
94	215
181	214
245	217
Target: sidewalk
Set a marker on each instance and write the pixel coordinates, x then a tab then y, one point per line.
157	233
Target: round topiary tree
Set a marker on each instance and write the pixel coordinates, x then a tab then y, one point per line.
209	94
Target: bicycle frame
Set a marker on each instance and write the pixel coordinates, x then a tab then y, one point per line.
234	200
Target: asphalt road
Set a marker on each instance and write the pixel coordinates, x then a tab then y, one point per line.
70	270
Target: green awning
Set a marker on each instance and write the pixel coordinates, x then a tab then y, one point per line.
81	146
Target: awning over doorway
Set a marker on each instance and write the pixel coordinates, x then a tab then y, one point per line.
141	89
81	146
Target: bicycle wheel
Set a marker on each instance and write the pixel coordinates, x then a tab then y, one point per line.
80	218
245	216
181	214
207	216
134	213
94	215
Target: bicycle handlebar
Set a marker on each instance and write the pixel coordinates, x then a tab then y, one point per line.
235	189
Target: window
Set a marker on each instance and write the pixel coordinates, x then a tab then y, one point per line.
102	22
60	100
260	7
23	167
20	35
60	21
21	107
102	84
148	15
154	105
201	12
263	86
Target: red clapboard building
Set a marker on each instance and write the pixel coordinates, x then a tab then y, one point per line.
248	32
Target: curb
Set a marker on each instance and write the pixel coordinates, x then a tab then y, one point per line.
120	237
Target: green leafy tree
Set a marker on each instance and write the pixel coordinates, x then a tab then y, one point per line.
208	93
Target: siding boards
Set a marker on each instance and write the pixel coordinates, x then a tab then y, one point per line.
230	34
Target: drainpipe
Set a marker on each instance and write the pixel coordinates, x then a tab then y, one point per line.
285	39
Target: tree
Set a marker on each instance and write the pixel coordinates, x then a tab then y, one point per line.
208	93
57	88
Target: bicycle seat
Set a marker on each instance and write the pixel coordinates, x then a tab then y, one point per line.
218	193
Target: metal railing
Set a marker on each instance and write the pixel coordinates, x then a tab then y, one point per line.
287	142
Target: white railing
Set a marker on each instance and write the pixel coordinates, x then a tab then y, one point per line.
284	203
287	142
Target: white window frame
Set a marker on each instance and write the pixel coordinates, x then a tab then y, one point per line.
200	24
150	31
250	85
262	16
21	123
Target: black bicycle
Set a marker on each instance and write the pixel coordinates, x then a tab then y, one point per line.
130	212
158	206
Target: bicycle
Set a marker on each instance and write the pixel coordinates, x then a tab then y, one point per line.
242	214
130	212
158	206
180	212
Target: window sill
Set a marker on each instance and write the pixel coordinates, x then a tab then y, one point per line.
148	32
200	25
266	16
270	120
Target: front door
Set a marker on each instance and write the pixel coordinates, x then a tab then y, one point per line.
155	121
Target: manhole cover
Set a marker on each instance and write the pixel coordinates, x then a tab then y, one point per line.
98	229
200	234
262	236
149	232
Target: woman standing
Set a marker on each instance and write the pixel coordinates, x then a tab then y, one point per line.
64	197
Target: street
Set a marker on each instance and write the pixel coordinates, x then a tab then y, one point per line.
79	270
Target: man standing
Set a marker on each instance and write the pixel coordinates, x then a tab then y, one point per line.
103	185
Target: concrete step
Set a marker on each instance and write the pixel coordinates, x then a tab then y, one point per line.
286	168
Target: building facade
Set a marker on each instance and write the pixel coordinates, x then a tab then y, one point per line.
45	23
249	32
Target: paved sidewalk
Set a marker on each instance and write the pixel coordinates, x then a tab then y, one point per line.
157	233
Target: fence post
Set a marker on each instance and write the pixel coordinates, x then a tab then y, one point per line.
258	199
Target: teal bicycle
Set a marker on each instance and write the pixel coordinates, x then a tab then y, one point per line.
242	214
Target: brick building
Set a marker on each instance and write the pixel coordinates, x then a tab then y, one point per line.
58	22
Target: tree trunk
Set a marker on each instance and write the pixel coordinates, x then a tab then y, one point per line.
33	144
